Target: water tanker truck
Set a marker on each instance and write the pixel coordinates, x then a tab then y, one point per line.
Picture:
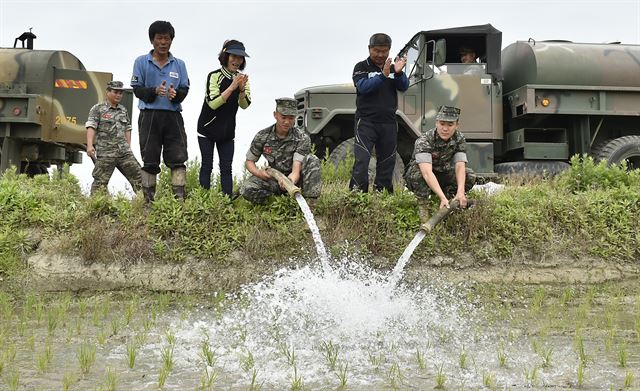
45	97
527	108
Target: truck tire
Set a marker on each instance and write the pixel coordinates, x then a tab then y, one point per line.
543	168
345	149
621	149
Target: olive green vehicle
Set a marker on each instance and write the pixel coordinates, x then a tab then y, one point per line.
527	108
45	97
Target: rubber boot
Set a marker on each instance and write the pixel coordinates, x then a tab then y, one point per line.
148	186
178	178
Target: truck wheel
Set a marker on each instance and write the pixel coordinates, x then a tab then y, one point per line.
544	168
621	149
345	149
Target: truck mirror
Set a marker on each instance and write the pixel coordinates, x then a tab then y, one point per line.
440	52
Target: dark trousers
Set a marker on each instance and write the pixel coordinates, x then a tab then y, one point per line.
384	136
162	132
225	154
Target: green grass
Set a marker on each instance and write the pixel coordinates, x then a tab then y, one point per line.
587	210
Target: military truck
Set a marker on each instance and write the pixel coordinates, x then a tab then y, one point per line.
45	97
527	108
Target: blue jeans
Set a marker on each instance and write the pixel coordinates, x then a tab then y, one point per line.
225	154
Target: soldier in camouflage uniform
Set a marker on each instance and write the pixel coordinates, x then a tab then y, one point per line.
439	163
288	150
109	140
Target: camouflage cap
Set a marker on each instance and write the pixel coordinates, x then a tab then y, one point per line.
286	106
448	113
115	85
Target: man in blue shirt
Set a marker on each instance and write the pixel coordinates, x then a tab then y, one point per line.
161	83
377	81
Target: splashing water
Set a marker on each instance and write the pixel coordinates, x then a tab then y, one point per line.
317	239
302	310
398	270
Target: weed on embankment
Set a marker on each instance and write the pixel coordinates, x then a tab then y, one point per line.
590	210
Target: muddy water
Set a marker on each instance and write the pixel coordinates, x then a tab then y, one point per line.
307	328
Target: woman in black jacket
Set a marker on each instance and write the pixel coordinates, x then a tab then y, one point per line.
227	89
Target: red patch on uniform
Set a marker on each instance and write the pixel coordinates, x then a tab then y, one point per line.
434	155
267	150
107	116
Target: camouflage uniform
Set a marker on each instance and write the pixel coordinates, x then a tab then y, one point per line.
112	150
429	148
280	154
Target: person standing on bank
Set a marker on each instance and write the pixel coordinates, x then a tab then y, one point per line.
109	140
161	83
227	89
439	163
377	83
288	150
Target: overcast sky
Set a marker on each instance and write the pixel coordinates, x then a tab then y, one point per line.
292	44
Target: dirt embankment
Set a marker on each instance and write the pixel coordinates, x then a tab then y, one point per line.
52	272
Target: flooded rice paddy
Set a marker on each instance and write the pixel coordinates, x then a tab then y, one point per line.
311	328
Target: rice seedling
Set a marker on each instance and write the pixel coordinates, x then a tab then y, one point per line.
132	352
622	355
502	357
580	373
171	338
1	363
9	354
101	336
39	309
141	338
441	377
162	376
131	309
163	299
31	342
105	306
63	307
207	355
96	317
376	360
86	356
531	376
538	300
68	379
488	379
52	321
567	296
610	339
342	374
115	326
296	380
420	359
629	379
207	379
289	352
82	307
6	306
110	380
21	324
167	357
247	362
535	346
462	359
44	358
147	324
29	303
394	376
254	385
330	353
546	355
13	380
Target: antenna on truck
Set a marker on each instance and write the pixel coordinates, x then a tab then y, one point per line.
26	36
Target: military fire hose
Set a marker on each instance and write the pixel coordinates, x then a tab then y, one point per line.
442	213
288	185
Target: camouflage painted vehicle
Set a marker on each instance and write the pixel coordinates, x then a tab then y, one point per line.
529	107
45	97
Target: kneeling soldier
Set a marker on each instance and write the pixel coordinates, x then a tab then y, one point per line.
109	140
288	150
439	163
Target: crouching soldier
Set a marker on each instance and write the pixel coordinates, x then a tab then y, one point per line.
439	163
109	140
288	150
